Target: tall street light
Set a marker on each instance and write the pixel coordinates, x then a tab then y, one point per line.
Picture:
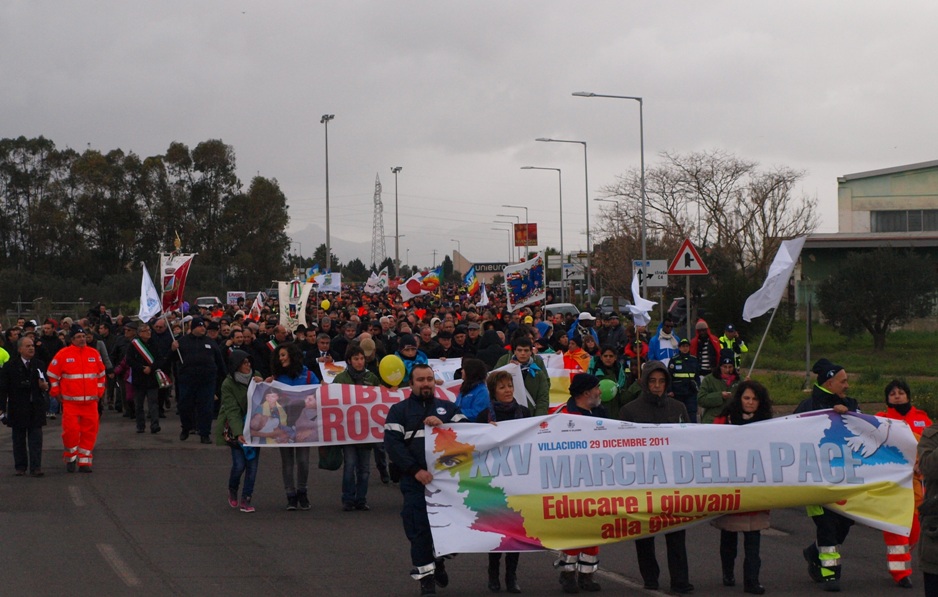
509	241
527	242
458	249
397	233
325	120
560	188
641	134
517	221
586	197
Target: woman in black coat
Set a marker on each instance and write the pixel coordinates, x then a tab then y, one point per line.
24	405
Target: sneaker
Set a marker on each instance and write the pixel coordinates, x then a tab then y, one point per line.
233	497
51	416
291	502
363	507
205	439
814	568
427	586
71	466
302	500
246	504
440	575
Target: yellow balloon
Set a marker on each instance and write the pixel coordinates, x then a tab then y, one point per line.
392	370
325	304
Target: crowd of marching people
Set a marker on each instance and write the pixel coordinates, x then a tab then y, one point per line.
198	366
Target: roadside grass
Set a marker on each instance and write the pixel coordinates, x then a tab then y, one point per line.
908	355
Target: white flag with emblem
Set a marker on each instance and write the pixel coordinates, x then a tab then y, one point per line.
150	303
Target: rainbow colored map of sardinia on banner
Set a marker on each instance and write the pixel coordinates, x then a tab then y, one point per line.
564	481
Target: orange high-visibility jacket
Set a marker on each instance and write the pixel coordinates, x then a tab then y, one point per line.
76	374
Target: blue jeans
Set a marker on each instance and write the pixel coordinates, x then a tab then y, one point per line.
195	405
239	465
355	473
53	406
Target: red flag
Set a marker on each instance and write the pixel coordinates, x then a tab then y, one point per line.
173	271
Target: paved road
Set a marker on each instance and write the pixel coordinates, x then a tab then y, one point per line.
153	520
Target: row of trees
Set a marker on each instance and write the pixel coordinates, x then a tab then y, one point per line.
81	218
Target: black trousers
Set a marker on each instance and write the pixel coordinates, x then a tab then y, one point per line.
752	563
677	559
832	529
27	448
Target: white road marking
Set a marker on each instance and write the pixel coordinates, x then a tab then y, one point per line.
118	565
75	493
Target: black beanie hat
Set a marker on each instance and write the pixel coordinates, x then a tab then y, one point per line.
727	357
583	382
825	370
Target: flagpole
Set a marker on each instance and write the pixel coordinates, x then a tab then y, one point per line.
764	334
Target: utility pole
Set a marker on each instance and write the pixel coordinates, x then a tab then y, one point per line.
434	258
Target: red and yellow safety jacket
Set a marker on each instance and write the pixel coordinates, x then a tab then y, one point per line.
76	374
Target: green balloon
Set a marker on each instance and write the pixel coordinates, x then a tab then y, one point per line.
608	389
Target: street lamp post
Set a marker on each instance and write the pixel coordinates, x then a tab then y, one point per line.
641	135
458	249
563	293
397	233
325	121
509	241
586	197
527	242
517	221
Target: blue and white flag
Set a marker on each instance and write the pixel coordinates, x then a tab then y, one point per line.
150	303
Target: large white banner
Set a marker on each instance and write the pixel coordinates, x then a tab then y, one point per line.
565	481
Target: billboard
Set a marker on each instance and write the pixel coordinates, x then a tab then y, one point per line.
525	235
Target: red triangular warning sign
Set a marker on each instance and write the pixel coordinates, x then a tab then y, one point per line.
687	262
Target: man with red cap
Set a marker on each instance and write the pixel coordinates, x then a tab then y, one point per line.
76	377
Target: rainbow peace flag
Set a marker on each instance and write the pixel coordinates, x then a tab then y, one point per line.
471	281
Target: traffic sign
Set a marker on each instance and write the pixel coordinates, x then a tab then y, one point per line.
687	262
555	284
572	271
655	272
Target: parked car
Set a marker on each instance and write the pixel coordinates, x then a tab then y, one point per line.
562	308
207	301
606	305
678	312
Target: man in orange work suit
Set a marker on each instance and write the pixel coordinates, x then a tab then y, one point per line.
76	377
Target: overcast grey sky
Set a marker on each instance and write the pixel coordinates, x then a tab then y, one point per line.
456	93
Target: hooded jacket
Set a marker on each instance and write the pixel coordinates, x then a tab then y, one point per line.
233	408
710	397
649	408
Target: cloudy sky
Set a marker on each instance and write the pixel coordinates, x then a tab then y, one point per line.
456	93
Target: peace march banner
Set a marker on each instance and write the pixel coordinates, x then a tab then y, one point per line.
565	481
